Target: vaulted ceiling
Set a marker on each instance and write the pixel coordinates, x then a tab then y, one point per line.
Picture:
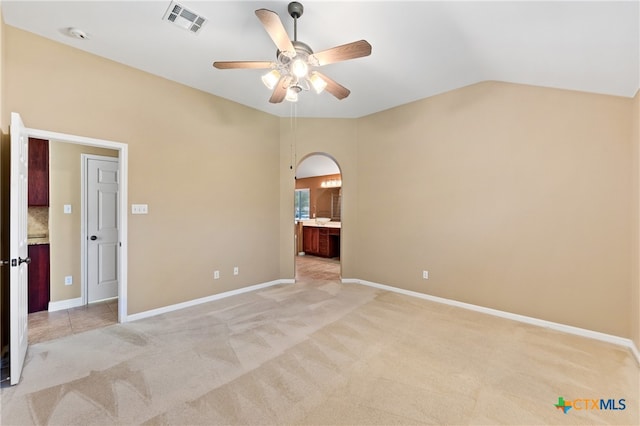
420	48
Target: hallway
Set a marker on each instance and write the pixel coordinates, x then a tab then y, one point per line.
317	268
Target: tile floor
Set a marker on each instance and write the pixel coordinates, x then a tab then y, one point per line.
46	325
317	268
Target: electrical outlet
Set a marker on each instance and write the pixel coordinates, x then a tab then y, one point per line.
68	280
236	271
216	275
425	275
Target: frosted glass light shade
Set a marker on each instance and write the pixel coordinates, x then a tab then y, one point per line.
292	95
317	82
271	78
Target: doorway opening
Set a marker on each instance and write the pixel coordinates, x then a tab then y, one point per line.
83	272
67	237
318	218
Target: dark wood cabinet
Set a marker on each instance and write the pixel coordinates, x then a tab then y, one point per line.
320	241
310	239
39	278
38	172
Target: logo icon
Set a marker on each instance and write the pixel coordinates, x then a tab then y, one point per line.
563	405
590	404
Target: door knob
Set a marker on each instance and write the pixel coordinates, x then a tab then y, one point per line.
26	260
93	238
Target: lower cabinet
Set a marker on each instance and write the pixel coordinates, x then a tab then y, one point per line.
319	241
39	278
310	240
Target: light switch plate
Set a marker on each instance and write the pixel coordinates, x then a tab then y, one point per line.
67	209
139	208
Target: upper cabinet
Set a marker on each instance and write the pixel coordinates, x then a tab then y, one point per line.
38	172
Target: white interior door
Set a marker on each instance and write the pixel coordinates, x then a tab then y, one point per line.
18	250
102	227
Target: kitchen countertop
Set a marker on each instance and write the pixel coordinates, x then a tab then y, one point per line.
312	222
33	240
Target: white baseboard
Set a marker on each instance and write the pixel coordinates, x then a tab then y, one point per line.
617	340
65	304
194	302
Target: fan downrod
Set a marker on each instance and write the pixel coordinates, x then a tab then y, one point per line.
295	9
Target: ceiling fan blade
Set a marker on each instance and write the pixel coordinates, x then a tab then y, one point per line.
357	49
275	29
280	91
336	89
226	65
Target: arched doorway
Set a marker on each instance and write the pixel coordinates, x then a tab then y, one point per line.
318	215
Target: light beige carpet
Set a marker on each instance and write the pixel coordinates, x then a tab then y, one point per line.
321	353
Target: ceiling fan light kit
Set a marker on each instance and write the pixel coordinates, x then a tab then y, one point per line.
294	68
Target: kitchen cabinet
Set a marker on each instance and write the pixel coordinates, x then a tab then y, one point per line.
38	281
38	192
320	241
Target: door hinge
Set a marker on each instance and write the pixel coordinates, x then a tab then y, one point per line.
14	262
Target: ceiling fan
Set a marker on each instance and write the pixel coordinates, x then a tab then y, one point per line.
294	68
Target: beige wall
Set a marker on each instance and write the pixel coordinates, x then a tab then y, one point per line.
193	158
65	175
299	139
513	197
635	215
4	202
3	126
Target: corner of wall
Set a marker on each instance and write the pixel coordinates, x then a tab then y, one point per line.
635	214
3	123
4	192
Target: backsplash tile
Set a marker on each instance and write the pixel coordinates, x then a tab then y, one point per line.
38	223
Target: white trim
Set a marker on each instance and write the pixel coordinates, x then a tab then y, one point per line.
65	304
634	349
194	302
83	229
123	157
609	338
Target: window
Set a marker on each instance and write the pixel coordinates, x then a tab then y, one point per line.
302	204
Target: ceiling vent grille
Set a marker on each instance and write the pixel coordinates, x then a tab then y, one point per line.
184	18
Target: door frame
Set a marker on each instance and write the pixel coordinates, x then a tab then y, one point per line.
84	217
123	161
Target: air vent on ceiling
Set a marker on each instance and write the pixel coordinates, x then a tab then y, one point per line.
184	18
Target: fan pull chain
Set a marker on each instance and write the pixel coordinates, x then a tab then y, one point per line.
294	134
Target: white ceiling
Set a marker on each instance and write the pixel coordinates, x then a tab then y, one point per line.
420	48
